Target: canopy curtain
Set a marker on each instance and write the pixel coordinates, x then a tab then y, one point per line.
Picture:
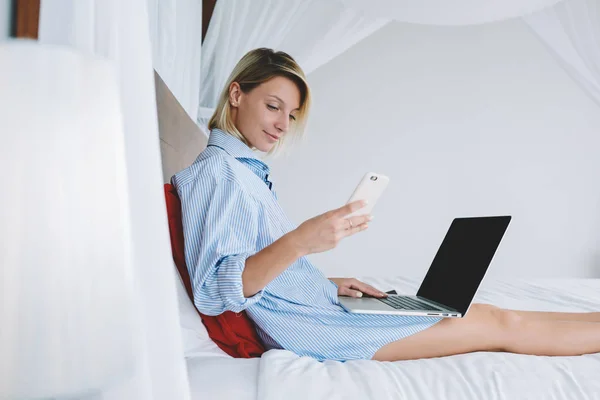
311	31
314	32
118	31
571	31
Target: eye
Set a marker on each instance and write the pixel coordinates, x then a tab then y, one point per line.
293	118
273	108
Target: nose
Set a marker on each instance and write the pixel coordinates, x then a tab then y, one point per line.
283	123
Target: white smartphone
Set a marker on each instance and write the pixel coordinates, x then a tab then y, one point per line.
370	188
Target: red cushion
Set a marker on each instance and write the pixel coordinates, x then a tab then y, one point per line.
234	333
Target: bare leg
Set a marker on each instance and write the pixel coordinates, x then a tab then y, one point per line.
489	328
560	316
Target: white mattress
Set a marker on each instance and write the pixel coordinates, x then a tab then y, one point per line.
477	376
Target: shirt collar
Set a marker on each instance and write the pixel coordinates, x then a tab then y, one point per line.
233	146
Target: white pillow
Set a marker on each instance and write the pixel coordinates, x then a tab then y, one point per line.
196	341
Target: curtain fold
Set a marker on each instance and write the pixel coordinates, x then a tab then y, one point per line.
571	32
176	37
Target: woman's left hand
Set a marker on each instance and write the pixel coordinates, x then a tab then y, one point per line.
354	288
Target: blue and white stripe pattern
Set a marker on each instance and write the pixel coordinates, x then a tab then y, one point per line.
229	214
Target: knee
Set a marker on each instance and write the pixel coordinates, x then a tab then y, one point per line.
504	320
507	320
503	325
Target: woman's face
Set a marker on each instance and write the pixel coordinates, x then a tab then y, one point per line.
266	113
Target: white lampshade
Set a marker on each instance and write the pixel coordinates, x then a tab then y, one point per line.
66	290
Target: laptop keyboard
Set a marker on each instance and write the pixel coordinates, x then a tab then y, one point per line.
407	303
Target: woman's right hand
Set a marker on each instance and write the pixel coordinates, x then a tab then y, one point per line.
325	231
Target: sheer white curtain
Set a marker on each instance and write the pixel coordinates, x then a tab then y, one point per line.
118	31
571	31
315	31
176	37
311	31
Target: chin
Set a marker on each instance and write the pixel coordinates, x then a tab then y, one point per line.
264	147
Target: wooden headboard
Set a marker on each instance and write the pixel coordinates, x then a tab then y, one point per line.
181	140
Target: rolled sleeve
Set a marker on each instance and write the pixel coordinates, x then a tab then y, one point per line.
229	280
221	232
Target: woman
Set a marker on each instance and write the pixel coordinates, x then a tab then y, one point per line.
243	253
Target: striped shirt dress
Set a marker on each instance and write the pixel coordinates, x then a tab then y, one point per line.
230	212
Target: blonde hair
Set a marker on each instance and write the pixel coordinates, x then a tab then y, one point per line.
254	68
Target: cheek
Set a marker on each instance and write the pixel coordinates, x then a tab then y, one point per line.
254	120
266	115
257	118
249	117
265	118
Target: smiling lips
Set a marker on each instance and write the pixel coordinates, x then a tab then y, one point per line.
272	137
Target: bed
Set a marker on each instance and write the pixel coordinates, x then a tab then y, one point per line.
481	375
280	374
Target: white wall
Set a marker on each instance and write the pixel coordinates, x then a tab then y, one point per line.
465	121
5	16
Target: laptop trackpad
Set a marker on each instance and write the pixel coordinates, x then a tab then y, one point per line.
363	304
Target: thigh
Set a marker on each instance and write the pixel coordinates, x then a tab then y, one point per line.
482	329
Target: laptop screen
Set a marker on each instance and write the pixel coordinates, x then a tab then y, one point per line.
462	260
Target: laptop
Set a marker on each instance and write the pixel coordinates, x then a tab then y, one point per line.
453	278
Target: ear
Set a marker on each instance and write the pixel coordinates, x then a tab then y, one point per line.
235	92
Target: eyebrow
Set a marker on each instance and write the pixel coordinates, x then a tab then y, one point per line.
281	101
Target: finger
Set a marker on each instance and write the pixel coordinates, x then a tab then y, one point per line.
347	223
368	289
350	208
359	220
346	291
354	230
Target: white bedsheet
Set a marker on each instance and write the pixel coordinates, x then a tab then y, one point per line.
283	375
222	378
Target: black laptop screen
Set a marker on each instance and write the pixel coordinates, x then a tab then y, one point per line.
462	260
